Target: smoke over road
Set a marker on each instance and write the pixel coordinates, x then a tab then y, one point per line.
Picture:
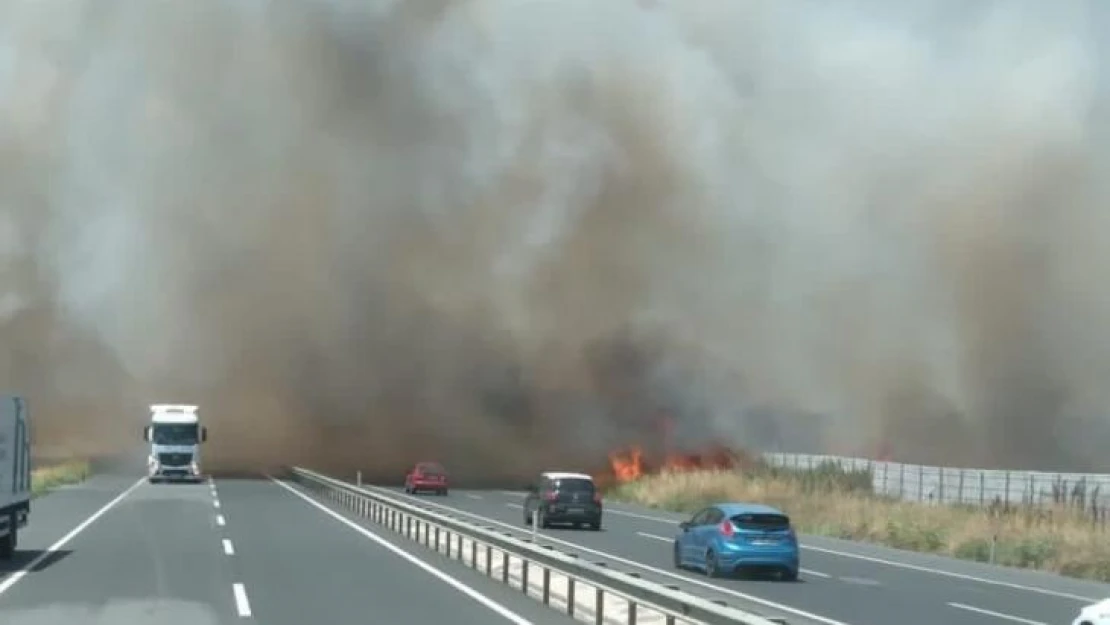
509	234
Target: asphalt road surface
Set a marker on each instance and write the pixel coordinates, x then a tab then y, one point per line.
842	583
118	551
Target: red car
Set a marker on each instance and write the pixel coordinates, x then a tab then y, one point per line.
426	476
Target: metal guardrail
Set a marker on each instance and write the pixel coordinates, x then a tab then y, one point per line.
614	595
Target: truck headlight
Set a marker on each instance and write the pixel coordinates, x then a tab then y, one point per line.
193	467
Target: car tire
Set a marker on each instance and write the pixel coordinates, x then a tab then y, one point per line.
544	523
443	492
678	556
595	526
711	569
789	575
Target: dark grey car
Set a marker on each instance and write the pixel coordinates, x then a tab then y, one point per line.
564	498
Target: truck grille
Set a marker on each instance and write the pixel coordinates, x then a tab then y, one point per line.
174	459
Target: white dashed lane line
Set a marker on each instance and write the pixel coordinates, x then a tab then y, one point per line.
228	548
220	520
999	615
242	603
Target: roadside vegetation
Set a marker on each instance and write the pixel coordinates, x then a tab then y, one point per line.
45	479
1069	537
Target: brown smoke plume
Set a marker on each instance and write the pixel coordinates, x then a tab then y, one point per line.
506	235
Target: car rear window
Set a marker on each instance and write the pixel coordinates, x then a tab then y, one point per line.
574	485
432	469
761	521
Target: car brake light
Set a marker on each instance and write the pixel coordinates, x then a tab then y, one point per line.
726	529
550	495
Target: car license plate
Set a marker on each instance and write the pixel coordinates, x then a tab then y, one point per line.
575	510
765	541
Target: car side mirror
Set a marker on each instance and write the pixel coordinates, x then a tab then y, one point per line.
203	434
684	526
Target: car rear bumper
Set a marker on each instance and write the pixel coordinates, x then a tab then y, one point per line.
429	485
733	559
560	513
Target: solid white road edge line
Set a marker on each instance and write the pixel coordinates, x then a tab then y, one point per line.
229	549
1008	617
443	577
18	575
640	565
242	604
901	565
664	539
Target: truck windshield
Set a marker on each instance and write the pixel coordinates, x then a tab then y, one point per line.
174	434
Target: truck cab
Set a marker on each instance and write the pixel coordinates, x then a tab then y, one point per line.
175	435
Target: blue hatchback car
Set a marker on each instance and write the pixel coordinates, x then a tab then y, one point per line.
726	537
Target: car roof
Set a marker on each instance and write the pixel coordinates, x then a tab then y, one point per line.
565	475
429	463
734	508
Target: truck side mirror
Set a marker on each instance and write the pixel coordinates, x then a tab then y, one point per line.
146	433
203	434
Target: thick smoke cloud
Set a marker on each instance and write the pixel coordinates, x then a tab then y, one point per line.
507	235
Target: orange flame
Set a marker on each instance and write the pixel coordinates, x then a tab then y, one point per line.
627	465
631	464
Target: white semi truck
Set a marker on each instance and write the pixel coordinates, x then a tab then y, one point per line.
15	472
175	435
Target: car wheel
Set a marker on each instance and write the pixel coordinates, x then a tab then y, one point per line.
678	556
789	575
711	569
443	492
544	523
595	526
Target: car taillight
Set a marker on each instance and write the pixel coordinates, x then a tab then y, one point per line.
726	529
550	495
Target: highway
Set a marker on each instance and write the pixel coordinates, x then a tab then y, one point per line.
842	583
118	551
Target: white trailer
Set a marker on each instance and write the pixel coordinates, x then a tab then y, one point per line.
175	435
15	472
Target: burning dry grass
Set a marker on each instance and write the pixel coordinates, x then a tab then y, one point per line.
832	502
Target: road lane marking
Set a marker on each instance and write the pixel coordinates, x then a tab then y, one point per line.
1008	617
901	565
220	520
511	493
242	604
64	540
473	496
688	578
515	505
443	577
228	548
216	503
664	539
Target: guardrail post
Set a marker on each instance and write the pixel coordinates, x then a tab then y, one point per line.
473	552
631	612
408	527
535	522
524	575
437	538
570	596
489	561
505	567
358	479
546	586
599	606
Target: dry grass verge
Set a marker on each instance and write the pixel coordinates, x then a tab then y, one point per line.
832	502
45	479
